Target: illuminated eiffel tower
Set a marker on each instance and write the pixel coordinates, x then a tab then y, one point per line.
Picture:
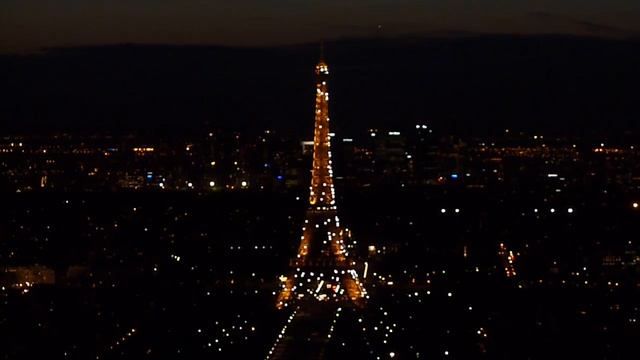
323	270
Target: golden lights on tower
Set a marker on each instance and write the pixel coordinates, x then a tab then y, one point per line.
322	268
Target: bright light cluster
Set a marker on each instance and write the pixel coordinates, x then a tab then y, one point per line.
509	259
322	273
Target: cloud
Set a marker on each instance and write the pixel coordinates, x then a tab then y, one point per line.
582	25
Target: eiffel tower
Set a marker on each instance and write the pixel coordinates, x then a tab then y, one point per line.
322	268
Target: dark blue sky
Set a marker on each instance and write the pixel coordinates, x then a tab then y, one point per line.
26	25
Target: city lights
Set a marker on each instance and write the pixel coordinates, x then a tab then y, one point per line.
474	237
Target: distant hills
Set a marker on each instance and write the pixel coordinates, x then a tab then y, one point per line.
471	84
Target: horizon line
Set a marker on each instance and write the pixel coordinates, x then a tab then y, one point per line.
438	35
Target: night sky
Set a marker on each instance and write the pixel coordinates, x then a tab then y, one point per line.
34	24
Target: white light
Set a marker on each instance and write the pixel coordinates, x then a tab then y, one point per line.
443	210
212	183
244	183
570	210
